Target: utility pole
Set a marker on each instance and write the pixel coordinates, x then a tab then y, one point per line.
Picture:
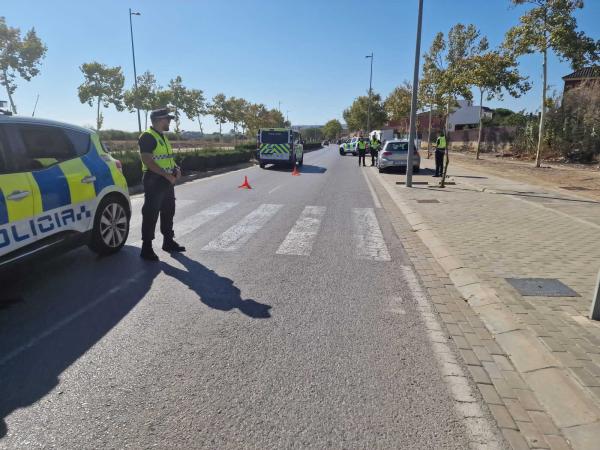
370	89
133	13
35	106
413	105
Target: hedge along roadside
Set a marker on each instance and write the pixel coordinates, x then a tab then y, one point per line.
189	161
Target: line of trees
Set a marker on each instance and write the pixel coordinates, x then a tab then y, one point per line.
103	86
462	61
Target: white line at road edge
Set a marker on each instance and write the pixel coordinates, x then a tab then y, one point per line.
367	235
240	233
373	193
274	189
478	426
67	320
301	238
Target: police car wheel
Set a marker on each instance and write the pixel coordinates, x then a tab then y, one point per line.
261	165
111	226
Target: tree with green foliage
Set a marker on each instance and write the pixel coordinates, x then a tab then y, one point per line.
195	106
179	100
332	129
235	108
492	73
356	115
142	97
18	56
103	85
397	104
218	109
548	26
446	63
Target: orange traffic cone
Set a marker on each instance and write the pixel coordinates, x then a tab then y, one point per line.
295	172
245	184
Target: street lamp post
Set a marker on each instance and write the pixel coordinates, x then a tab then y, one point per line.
133	13
413	106
370	89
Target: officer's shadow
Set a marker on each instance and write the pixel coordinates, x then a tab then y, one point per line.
213	290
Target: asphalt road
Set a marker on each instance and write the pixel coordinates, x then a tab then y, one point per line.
285	324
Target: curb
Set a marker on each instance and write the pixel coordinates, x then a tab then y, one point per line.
575	414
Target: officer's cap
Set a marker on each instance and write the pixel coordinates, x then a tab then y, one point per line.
161	113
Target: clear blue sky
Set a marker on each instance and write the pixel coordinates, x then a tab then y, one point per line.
308	55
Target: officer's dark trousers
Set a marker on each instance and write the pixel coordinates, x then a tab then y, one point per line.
159	198
362	155
439	162
373	157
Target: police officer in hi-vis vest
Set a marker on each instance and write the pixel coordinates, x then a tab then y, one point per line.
374	147
440	152
160	175
361	146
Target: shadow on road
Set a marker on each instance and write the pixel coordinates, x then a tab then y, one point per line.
306	168
65	306
213	290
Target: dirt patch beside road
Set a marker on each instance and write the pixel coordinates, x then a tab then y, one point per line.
584	179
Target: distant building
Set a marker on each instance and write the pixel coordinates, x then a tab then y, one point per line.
467	116
579	76
464	117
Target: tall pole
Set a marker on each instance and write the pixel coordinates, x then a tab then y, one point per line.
413	104
370	89
134	69
35	106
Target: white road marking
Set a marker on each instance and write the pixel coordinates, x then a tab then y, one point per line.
372	190
190	223
368	236
240	233
479	427
301	238
68	319
274	189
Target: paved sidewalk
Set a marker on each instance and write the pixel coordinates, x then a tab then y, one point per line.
485	230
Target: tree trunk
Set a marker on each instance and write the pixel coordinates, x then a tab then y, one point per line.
429	133
98	125
447	155
480	124
538	155
220	133
200	126
13	107
146	123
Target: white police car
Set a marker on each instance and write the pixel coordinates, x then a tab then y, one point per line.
59	188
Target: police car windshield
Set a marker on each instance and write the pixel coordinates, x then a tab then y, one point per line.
274	137
397	147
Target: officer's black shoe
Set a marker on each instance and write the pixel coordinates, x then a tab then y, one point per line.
169	245
148	253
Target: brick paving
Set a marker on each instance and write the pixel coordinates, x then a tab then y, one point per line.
515	230
522	420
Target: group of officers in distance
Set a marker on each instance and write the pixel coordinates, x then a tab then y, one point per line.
374	145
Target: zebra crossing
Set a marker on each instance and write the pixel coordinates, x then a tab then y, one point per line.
367	238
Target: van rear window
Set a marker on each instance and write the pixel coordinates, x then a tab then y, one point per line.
274	137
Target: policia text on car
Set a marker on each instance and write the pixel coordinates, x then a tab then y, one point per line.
160	175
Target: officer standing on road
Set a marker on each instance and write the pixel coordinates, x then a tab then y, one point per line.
374	147
361	145
440	151
160	175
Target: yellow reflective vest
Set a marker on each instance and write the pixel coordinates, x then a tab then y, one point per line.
441	143
162	154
